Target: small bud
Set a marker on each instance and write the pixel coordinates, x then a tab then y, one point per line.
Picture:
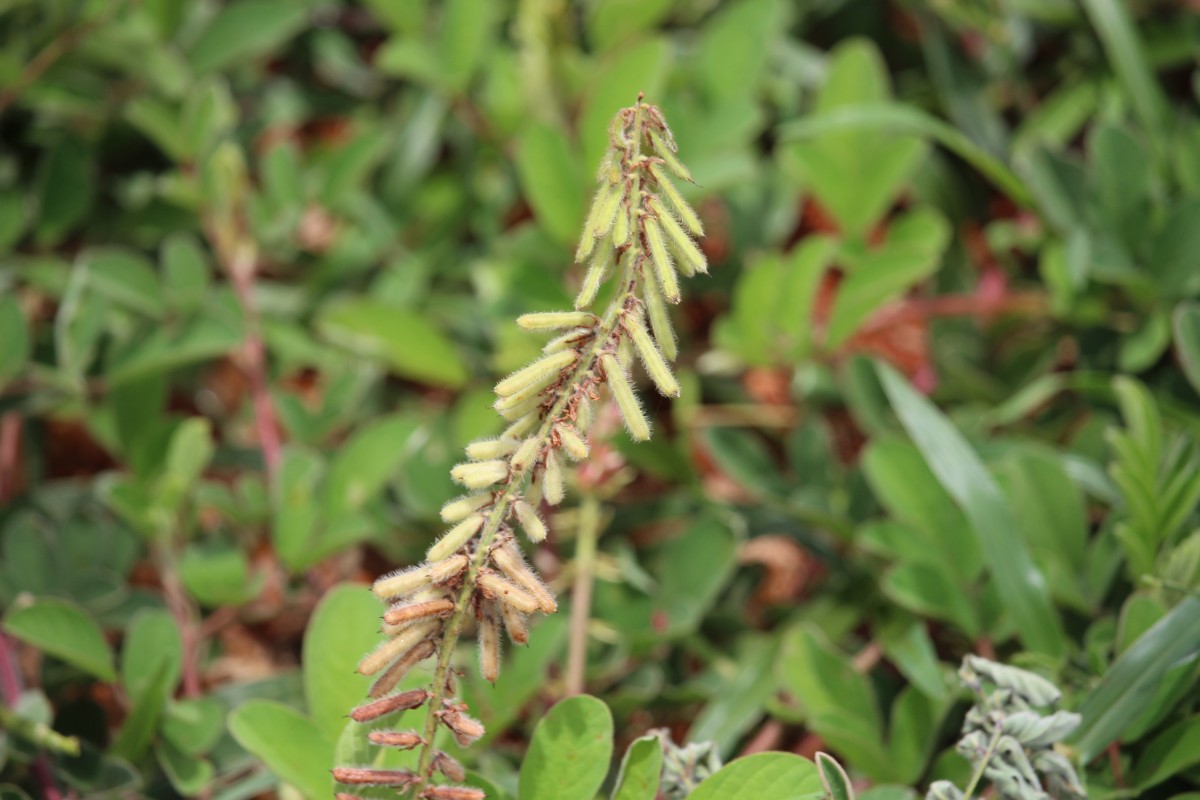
480	474
392	676
660	319
453	539
489	645
447	569
453	793
449	766
522	403
401	582
508	559
396	647
583	415
360	776
631	410
408	612
691	259
599	268
652	359
664	270
685	212
401	740
539	373
526	454
402	701
556	320
531	522
497	588
572	443
484	449
464	506
515	624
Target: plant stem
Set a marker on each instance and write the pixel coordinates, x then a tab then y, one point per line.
979	770
581	596
10	686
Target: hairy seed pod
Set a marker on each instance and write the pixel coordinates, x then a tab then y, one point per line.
497	588
687	215
600	217
515	624
660	318
484	449
539	373
656	365
574	339
447	569
664	270
572	443
522	426
346	796
361	776
598	270
668	156
396	647
464	506
627	402
448	765
489	644
465	729
398	615
533	492
526	454
480	474
691	259
554	479
401	740
453	793
390	704
402	582
531	522
556	320
583	415
508	559
392	676
620	229
526	401
453	539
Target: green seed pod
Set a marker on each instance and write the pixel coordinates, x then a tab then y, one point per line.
620	229
531	523
539	373
631	409
600	217
664	270
526	454
668	156
464	506
687	215
572	443
554	484
691	259
660	318
480	474
556	320
521	427
574	339
402	582
447	570
652	359
599	268
483	449
453	539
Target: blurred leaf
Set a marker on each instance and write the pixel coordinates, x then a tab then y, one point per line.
411	346
188	775
739	694
615	85
188	453
466	34
344	627
217	574
14	339
524	675
66	189
125	277
552	180
296	513
744	457
1174	750
365	463
245	30
640	769
734	47
289	743
834	778
63	630
1174	251
137	730
152	645
1185	323
762	775
193	726
1021	586
569	753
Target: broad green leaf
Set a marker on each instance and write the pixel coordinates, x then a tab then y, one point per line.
62	629
125	277
734	47
366	463
760	776
568	756
138	728
907	644
185	272
217	573
744	457
466	34
289	743
14	339
66	183
834	778
152	644
343	628
190	449
1174	750
640	770
193	726
407	341
1175	251
552	180
738	695
1021	587
297	513
615	22
1133	678
245	30
1185	324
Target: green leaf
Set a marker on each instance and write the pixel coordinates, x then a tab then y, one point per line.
640	770
137	731
193	726
125	277
1175	749
152	644
760	776
1175	251
296	516
66	184
14	339
466	37
62	629
834	778
217	573
1185	324
568	756
366	463
344	626
552	180
734	47
188	453
245	30
1021	587
289	743
185	272
407	341
188	774
739	696
1133	678
930	590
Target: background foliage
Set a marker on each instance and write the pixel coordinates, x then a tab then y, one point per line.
258	266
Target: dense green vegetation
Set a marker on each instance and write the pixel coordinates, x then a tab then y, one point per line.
939	392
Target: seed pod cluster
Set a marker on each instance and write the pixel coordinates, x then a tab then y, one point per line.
640	234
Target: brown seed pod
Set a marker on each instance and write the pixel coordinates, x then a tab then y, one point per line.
361	776
453	793
396	672
401	740
408	612
403	701
449	766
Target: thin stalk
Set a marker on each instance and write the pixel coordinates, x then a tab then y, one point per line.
987	756
581	596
